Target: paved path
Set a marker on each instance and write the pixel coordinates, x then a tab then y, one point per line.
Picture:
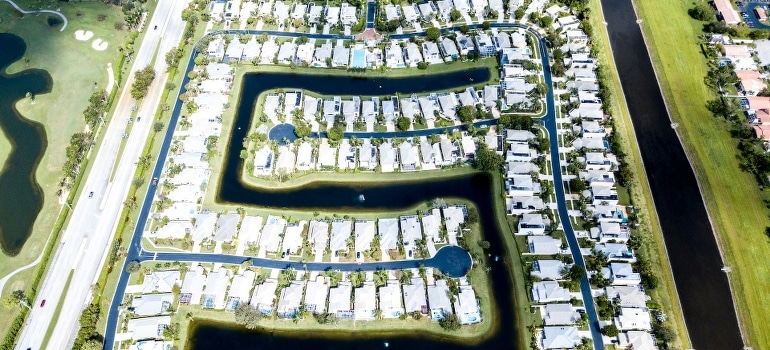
40	11
14	272
110	79
135	251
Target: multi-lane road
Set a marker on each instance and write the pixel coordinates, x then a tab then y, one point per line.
85	241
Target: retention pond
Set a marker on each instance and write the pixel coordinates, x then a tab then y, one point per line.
344	198
703	287
21	194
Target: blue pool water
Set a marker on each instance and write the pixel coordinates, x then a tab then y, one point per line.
359	59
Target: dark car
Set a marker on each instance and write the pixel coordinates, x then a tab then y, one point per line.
156	27
91	194
358	255
42	303
155	181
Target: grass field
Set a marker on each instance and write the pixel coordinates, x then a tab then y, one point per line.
733	199
74	67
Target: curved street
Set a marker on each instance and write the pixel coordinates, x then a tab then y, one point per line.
135	252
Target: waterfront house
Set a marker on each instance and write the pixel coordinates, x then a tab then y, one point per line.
449	49
597	161
269	50
548	269
521	186
409	156
637	340
263	161
627	296
520	168
410	231
390	109
290	300
323	54
216	289
318	235
603	195
240	289
364	231
327	156
632	319
388	157
160	281
227	224
341	230
454	216
346	158
263	298
412	55
410	107
465	44
429	106
316	294
431	225
532	224
341	55
304	53
491	95
613	231
414	296
370	110
560	337
520	153
339	301
367	156
544	245
559	314
450	152
518	205
431	52
438	299
388	231
588	111
311	108
148	327
394	56
616	252
287	52
271	233
152	304
305	157
234	51
597	178
549	291
622	274
204	226
292	238
431	158
390	299
485	45
286	160
365	302
467	306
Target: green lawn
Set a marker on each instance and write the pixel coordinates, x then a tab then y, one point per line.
654	248
733	200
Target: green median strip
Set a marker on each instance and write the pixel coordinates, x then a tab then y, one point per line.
56	313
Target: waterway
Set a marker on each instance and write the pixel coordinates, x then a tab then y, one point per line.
21	194
703	288
344	198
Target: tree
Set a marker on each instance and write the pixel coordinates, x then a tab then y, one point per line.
158	126
464	29
702	12
13	300
485	25
484	244
142	80
422	65
247	316
487	160
467	113
403	123
133	267
302	130
515	121
172	56
610	330
301	40
455	15
664	333
473	215
433	33
574	273
577	185
92	344
335	133
450	322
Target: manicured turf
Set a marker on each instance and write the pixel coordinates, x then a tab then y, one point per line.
733	199
654	247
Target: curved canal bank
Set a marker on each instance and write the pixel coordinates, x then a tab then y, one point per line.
692	249
23	196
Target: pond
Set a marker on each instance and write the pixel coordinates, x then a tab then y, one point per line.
344	198
22	195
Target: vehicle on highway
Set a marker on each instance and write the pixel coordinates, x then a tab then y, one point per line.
91	194
138	119
42	303
156	27
155	181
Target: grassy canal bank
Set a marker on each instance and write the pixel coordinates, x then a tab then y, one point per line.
734	202
653	246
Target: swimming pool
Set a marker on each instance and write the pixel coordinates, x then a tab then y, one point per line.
359	59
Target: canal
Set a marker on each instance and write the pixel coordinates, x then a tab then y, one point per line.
22	195
703	288
343	198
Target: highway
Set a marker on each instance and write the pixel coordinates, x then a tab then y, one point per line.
85	241
549	121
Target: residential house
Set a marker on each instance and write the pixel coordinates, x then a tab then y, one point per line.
438	299
454	216
304	53
544	245
430	156
518	205
449	48
633	319
532	224
431	52
314	14
271	233
548	269
327	157
226	227
627	296
216	49
392	12
521	186
290	300
240	289
467	306
429	106
305	157
348	14
560	337
465	45
450	151
559	314
520	168
148	327
622	274
462	6
612	231
444	7
311	108
448	103
491	95
204	226
341	56
390	109
596	178
616	252
365	302
298	11
287	53
364	230
160	281
427	10
597	161
234	51
388	158
727	12
411	231
318	235
388	231
280	11
431	225
367	156
750	82
603	195
637	340
263	298
346	158
409	156
286	160
502	41
292	238
315	295
269	50
390	299
412	55
411	13
323	54
216	289
414	296
394	56
341	230
370	110
152	304
339	301
549	291
469	97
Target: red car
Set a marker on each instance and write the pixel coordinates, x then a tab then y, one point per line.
42	303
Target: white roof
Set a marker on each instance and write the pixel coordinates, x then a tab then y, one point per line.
318	234
339	298
364	230
271	233
548	269
341	230
633	319
264	296
466	306
226	227
160	281
414	296
148	327
242	284
560	337
390	299
410	230
315	295
431	224
453	217
292	237
548	291
388	229
152	304
204	226
216	288
365	301
438	299
194	280
250	229
628	296
559	314
291	297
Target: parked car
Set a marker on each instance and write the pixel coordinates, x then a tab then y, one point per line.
155	181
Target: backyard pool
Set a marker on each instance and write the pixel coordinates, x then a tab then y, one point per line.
359	59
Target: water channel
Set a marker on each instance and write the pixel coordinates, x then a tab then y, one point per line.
703	288
343	198
22	196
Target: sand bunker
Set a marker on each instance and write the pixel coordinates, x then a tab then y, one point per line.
99	45
82	35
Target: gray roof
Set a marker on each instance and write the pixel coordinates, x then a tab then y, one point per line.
226	226
152	304
341	55
560	337
438	298
414	296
